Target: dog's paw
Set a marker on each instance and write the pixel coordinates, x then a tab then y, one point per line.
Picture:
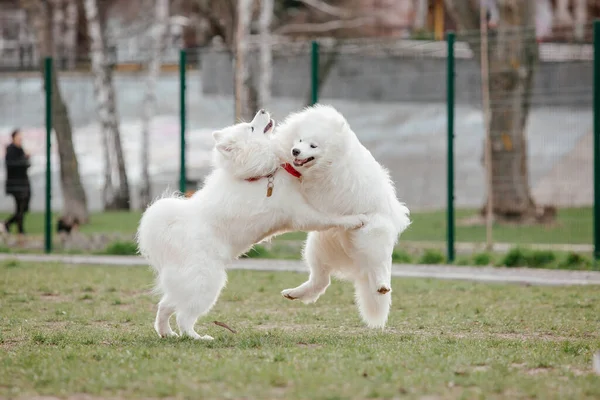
205	337
357	221
287	294
363	221
383	289
300	293
169	334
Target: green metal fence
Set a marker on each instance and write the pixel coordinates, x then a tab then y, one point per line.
447	73
417	106
596	141
48	70
540	125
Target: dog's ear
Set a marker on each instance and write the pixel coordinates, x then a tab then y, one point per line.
225	145
225	148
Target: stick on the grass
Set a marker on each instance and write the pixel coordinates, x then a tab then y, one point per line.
224	326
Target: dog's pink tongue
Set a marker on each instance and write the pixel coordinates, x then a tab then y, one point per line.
269	125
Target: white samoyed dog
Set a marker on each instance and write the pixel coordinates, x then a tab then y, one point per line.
340	176
249	196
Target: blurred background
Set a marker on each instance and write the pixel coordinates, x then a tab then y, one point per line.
118	68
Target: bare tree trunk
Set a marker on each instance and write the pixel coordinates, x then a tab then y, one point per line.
421	9
513	56
58	29
161	26
512	62
71	20
103	86
580	19
544	16
242	70
73	193
24	44
562	16
266	55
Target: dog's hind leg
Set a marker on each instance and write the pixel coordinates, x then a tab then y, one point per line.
198	293
186	321
373	247
374	307
320	252
161	324
313	288
372	251
380	276
373	288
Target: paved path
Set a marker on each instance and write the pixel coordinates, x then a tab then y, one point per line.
482	274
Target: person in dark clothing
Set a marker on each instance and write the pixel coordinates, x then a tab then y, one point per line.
17	181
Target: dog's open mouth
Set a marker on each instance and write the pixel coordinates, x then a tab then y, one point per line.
269	126
299	163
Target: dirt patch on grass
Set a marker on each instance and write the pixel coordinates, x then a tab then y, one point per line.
471	369
83	396
538	371
53	297
9	344
283	327
480	368
435	333
309	345
579	371
485	335
543	370
511	336
518	365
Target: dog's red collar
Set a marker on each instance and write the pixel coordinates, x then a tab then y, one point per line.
291	170
288	167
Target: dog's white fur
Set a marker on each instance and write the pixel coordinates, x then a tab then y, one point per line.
341	176
189	242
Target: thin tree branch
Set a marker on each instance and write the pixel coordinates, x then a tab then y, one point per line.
328	8
325	26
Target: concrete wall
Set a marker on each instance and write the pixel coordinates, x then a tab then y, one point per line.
396	78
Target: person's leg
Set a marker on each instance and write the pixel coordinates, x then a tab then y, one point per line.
13	218
22	207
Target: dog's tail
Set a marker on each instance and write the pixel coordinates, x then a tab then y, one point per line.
401	216
154	236
374	307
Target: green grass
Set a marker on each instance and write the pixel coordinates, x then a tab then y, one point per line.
122	248
573	226
110	221
515	257
68	330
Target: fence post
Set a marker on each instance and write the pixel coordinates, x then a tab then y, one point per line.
597	140
450	156
48	212
182	119
314	72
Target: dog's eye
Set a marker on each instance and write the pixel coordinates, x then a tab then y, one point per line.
313	146
252	128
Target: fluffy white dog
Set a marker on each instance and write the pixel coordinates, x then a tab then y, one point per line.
339	175
248	197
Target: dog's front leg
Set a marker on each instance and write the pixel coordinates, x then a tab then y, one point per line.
309	219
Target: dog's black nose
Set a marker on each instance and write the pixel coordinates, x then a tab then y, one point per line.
295	152
262	111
